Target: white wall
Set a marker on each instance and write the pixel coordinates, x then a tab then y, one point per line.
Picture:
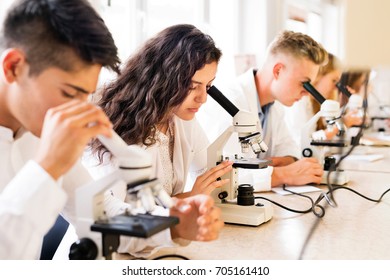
365	41
4	5
239	27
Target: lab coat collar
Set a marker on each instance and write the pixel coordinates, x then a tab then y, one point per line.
6	134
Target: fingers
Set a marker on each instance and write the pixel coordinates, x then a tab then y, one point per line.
204	203
80	114
207	182
211	232
181	205
216	172
210	225
308	159
318	171
212	215
202	222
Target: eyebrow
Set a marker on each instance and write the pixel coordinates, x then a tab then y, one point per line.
199	83
77	88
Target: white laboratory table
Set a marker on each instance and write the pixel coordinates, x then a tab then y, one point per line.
356	229
360	159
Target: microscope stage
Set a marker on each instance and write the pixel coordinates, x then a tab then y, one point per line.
330	143
141	225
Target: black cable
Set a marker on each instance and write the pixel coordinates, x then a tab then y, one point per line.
171	256
287	208
330	199
313	207
359	194
315	204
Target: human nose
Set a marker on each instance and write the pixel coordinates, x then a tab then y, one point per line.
304	93
201	97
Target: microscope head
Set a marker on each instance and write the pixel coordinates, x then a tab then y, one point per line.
245	123
355	101
331	112
255	141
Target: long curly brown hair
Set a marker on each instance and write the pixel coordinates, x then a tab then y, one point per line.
155	80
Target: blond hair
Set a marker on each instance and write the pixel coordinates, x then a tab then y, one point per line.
299	45
332	65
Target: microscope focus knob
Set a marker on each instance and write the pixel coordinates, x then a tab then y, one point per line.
307	152
83	249
222	195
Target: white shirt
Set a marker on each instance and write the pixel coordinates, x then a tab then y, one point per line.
243	94
30	200
297	116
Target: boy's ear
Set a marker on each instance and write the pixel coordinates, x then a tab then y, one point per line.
276	69
12	61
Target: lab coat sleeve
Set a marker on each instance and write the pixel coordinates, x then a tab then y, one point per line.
284	144
29	206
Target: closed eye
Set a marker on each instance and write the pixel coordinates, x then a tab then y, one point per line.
67	95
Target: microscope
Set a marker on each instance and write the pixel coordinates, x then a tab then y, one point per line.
321	149
236	201
355	103
100	234
379	119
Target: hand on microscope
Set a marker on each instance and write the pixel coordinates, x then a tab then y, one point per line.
301	172
352	118
66	132
199	219
325	134
208	181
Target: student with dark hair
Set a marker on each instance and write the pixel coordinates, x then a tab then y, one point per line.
154	100
52	52
153	103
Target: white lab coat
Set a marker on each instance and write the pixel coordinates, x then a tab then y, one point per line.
189	161
189	155
30	200
297	116
243	94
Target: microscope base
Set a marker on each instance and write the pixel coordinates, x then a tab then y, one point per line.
336	177
252	215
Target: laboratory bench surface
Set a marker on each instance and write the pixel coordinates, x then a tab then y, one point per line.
355	229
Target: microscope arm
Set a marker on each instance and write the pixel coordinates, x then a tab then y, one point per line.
306	137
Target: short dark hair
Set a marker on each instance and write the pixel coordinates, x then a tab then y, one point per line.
47	30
